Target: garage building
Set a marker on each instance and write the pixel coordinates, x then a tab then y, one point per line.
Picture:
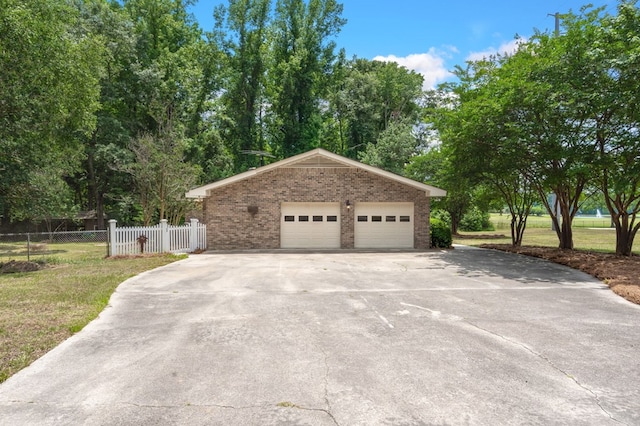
316	200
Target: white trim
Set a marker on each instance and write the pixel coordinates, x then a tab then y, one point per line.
201	192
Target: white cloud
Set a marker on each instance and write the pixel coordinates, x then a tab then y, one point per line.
505	48
430	65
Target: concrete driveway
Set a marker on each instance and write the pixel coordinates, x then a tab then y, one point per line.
466	336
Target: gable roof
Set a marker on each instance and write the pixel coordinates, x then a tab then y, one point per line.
316	158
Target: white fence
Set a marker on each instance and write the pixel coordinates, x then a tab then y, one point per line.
161	238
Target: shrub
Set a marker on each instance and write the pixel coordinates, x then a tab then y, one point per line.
442	215
476	220
440	234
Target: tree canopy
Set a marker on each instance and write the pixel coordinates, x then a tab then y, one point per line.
558	117
118	106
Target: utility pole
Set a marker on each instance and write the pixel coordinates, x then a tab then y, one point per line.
557	16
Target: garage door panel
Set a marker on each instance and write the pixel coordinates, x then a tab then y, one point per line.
384	225
310	225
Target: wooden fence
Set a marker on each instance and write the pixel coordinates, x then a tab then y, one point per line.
161	238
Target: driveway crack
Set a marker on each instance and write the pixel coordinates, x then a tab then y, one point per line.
300	407
326	385
325	359
590	391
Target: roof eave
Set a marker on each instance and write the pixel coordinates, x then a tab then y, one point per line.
202	192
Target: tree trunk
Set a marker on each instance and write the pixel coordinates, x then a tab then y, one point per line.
100	211
625	233
95	196
518	226
566	235
454	226
92	185
624	241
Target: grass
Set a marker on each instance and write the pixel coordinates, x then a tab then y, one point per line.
501	222
587	235
38	310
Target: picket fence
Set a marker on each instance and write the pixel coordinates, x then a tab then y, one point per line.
161	238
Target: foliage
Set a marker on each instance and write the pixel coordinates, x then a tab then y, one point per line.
242	33
395	145
440	234
88	90
161	176
476	220
435	167
557	117
48	96
89	87
301	52
441	215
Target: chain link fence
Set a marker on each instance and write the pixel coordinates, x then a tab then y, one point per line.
36	245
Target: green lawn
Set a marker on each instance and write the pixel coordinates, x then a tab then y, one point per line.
588	234
502	222
38	310
52	252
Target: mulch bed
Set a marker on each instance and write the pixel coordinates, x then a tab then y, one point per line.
620	273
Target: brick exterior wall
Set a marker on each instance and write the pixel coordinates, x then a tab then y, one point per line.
230	225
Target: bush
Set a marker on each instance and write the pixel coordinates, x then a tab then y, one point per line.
440	234
476	220
537	210
442	215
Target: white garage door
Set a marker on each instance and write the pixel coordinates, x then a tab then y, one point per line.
384	225
310	225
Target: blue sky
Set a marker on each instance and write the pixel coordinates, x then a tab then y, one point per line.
432	36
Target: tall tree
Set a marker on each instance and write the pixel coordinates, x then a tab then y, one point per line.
48	97
100	184
560	152
302	56
612	94
367	98
243	33
482	139
167	41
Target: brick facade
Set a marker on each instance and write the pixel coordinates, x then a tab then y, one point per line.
231	225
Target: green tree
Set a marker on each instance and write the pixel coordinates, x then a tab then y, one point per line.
302	54
168	41
479	130
395	145
368	97
100	184
161	175
48	97
612	96
243	30
434	166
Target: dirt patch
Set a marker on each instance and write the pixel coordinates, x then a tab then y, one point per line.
14	266
620	273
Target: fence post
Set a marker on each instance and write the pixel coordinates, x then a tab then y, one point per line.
193	235
164	238
112	237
